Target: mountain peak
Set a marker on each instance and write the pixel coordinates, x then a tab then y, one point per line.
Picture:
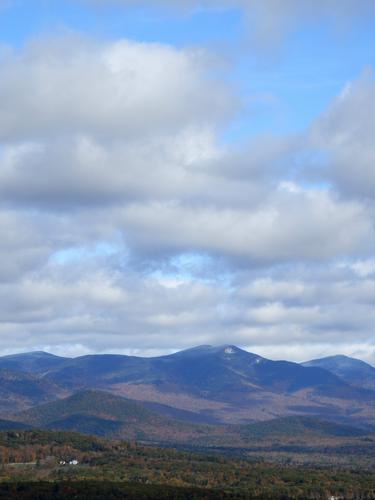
354	371
227	350
338	360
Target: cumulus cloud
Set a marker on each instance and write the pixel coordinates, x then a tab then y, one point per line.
287	226
127	224
186	165
344	134
167	186
113	90
86	123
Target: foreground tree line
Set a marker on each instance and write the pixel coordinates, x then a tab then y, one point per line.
31	468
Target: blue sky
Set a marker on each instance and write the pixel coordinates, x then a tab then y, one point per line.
285	85
201	173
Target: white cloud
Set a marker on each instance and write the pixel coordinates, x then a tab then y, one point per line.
117	90
287	226
103	310
344	133
111	170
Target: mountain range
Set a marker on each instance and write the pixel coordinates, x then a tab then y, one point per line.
202	385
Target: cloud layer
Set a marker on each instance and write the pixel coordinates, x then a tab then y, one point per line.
128	225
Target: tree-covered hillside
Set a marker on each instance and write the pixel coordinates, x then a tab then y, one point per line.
35	464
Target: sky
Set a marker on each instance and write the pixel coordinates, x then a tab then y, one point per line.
177	173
